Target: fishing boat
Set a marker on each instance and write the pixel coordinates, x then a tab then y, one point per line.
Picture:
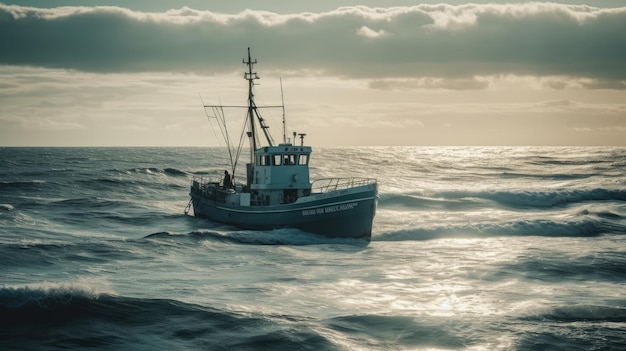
278	191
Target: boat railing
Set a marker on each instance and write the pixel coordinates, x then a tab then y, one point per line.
204	181
332	184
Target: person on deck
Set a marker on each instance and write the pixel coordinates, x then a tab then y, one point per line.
227	184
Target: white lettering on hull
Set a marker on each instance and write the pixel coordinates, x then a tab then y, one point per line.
329	209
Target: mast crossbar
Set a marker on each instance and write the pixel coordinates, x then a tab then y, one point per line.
257	107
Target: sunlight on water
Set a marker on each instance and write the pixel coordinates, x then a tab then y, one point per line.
473	249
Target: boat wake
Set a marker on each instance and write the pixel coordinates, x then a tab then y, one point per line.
285	236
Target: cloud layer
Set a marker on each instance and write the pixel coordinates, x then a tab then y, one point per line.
438	41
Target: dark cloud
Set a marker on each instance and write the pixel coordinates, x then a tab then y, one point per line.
443	41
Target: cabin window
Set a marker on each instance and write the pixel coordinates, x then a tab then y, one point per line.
290	159
276	160
263	160
303	159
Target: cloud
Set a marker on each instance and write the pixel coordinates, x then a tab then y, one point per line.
471	83
96	107
438	42
40	106
370	33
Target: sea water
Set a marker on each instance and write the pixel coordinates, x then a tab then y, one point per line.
472	249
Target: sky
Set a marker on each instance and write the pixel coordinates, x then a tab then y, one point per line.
354	73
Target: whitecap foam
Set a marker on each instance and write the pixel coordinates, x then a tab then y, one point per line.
6	207
19	295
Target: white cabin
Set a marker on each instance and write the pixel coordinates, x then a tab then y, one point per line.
281	174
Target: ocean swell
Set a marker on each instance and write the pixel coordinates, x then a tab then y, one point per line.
397	332
516	200
538	227
581	313
70	316
284	236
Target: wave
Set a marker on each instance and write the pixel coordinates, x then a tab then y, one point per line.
48	254
511	199
203	173
541	227
152	171
545	199
250	237
18	255
6	207
575	327
582	313
90	202
89	208
107	185
133	186
600	267
376	331
174	172
21	185
602	213
77	316
552	176
410	201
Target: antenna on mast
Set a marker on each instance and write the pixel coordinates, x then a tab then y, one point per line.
282	97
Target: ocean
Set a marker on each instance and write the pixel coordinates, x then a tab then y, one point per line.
473	248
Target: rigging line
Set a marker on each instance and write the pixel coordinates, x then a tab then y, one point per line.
268	122
220	125
263	126
231	148
220	122
241	142
209	118
222	118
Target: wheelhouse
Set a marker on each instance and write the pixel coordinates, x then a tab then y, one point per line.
282	172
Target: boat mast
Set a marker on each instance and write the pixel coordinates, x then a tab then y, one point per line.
250	77
253	109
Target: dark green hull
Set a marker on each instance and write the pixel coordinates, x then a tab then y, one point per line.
347	214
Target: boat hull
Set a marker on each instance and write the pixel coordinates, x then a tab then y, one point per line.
345	214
